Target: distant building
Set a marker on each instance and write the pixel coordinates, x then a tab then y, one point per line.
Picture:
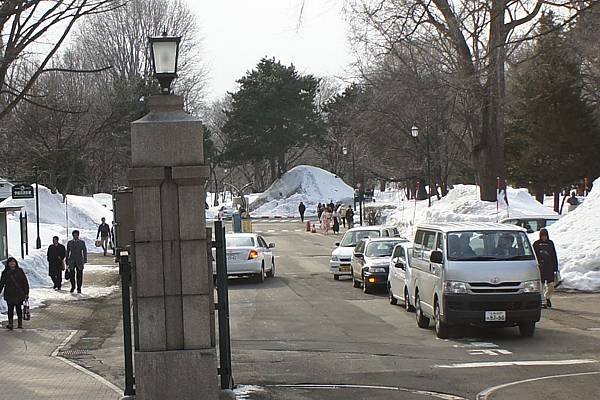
5	189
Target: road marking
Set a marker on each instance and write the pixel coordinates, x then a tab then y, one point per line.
516	363
271	231
297	230
489	352
437	395
484	395
284	230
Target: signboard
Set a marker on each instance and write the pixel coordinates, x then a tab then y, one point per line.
22	192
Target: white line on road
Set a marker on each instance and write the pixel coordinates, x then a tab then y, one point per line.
484	395
271	231
437	395
284	230
517	363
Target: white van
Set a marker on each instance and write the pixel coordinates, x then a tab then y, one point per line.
475	273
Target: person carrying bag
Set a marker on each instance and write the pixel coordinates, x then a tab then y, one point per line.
16	291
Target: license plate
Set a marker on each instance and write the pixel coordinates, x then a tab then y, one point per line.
231	257
344	268
495	316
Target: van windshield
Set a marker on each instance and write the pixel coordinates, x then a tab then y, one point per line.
489	245
352	237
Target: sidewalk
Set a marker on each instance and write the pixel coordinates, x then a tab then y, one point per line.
34	363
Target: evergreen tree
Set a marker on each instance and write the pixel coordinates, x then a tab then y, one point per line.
273	112
552	136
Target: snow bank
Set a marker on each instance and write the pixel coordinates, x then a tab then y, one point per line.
84	214
302	183
576	236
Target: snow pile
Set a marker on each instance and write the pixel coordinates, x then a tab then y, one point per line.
84	214
462	203
576	237
308	184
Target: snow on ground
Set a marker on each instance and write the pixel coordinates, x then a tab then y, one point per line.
84	213
577	240
302	183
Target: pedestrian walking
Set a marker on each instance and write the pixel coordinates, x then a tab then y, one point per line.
326	221
103	234
319	211
336	221
573	202
548	264
56	262
302	210
76	258
342	212
350	217
16	290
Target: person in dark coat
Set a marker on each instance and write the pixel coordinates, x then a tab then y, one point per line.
302	210
319	211
16	290
350	217
548	263
56	262
76	258
103	234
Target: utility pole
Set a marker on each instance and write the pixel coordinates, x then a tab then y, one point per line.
38	241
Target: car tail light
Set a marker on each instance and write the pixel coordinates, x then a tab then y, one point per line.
253	255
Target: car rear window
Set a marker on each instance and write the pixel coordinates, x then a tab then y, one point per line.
352	237
240	241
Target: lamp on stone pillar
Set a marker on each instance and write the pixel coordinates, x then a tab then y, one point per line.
164	51
175	355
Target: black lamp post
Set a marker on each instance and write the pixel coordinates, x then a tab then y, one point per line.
345	153
414	132
164	52
38	241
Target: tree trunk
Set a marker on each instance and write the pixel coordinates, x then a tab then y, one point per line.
489	151
556	200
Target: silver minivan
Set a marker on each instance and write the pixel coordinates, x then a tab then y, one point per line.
475	273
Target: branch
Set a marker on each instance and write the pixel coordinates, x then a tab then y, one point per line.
77	71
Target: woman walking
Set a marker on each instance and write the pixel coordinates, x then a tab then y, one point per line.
326	221
16	290
336	221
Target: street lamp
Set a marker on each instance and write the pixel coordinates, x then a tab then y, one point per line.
164	54
414	132
345	152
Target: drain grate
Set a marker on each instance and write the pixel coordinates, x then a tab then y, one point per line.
74	352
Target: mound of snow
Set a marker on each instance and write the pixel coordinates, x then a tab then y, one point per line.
308	184
576	238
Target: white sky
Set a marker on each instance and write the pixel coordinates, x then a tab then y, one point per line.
238	33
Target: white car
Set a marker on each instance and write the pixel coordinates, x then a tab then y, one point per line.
533	223
248	254
399	287
341	257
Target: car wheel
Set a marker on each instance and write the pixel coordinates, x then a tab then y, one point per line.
260	277
336	277
442	330
355	283
366	287
527	329
271	273
422	320
407	306
393	300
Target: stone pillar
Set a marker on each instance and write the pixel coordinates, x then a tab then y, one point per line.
175	355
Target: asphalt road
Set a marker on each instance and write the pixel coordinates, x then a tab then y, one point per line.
302	335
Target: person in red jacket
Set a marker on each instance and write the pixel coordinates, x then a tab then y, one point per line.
548	264
16	290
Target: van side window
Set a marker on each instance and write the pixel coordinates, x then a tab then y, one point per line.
401	252
428	241
439	245
417	246
386	233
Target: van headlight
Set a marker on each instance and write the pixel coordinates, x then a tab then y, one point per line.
532	286
376	269
335	258
454	287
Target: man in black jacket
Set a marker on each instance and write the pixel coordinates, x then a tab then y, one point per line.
302	210
56	262
548	264
104	234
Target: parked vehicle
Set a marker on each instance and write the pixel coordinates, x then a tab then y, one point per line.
248	254
371	261
532	223
475	273
341	256
399	283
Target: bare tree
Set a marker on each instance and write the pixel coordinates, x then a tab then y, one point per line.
475	37
24	26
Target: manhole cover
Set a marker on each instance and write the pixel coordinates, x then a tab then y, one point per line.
74	352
